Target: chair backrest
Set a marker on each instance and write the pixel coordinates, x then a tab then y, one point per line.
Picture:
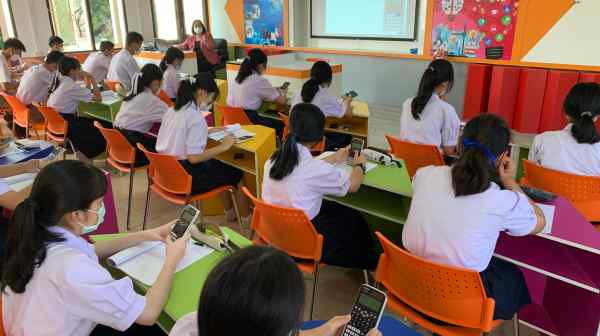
165	98
20	111
446	293
287	229
415	155
81	57
167	172
55	123
233	115
111	84
576	188
117	146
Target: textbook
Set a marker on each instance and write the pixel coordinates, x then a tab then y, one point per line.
548	211
236	130
144	262
20	182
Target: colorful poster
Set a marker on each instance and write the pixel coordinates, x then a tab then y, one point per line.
263	22
475	28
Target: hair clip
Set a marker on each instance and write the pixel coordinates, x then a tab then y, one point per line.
587	113
474	144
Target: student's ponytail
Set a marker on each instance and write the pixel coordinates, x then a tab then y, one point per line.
438	72
582	106
484	139
65	66
143	79
250	64
187	89
163	64
320	74
307	124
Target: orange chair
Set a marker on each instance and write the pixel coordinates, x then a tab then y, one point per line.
111	85
582	191
81	57
425	291
289	230
165	98
121	155
415	155
317	149
168	179
233	115
21	113
55	127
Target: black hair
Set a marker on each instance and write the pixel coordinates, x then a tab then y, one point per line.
171	56
150	73
250	64
53	57
255	291
438	72
54	40
15	44
187	89
306	124
473	170
60	188
582	105
203	26
106	45
134	37
320	73
65	66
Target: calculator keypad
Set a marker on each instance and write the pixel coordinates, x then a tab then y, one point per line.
363	320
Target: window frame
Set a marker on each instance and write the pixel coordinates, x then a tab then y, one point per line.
12	19
179	19
89	24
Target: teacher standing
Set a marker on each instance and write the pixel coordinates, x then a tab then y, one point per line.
202	42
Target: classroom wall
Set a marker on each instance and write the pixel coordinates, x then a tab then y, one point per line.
139	17
33	25
221	25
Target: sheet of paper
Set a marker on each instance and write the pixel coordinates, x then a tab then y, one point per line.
147	266
110	97
345	166
548	211
236	130
20	182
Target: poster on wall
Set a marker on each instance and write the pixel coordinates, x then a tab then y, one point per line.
475	28
263	22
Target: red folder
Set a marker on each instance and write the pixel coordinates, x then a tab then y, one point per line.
558	85
503	92
477	90
530	99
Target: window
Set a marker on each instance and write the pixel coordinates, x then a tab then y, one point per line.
193	10
9	21
83	24
166	20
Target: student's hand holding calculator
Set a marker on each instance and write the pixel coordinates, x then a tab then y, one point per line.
175	250
228	141
342	155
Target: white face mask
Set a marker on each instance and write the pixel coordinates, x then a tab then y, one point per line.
198	30
100	214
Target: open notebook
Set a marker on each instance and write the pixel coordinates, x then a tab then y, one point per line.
236	130
548	211
144	262
346	166
19	182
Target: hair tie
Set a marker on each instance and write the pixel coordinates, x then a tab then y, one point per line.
135	82
431	69
587	114
474	144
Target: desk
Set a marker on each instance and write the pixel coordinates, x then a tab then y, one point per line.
356	127
189	64
19	156
255	153
187	284
106	111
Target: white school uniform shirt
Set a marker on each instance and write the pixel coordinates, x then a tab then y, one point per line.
183	132
34	84
171	81
251	94
5	74
122	68
186	326
68	95
70	293
305	187
439	124
329	105
140	113
97	64
461	231
559	150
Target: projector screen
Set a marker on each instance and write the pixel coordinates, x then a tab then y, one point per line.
364	19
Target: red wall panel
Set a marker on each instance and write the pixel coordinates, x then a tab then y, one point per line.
504	89
558	85
530	99
586	77
477	90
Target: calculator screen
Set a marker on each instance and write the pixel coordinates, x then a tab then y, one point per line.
370	302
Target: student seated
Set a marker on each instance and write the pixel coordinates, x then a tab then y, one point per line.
141	110
315	91
293	178
98	62
66	94
12	47
170	66
458	212
55	43
265	296
428	118
184	134
250	90
123	66
576	148
36	81
46	258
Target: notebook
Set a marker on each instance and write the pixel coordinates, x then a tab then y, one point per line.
548	211
236	130
144	262
345	166
20	182
110	97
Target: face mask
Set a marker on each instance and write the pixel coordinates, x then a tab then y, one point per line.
100	214
198	30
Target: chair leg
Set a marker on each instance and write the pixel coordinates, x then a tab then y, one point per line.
314	293
236	208
147	208
516	325
131	174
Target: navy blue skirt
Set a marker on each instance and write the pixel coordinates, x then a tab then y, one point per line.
504	282
211	174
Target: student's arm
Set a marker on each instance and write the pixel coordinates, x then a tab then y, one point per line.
282	99
358	175
210	153
347	107
105	249
91	83
9	88
334	327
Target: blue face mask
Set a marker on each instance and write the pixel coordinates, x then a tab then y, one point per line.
100	218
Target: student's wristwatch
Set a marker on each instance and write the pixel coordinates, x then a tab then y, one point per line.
362	167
